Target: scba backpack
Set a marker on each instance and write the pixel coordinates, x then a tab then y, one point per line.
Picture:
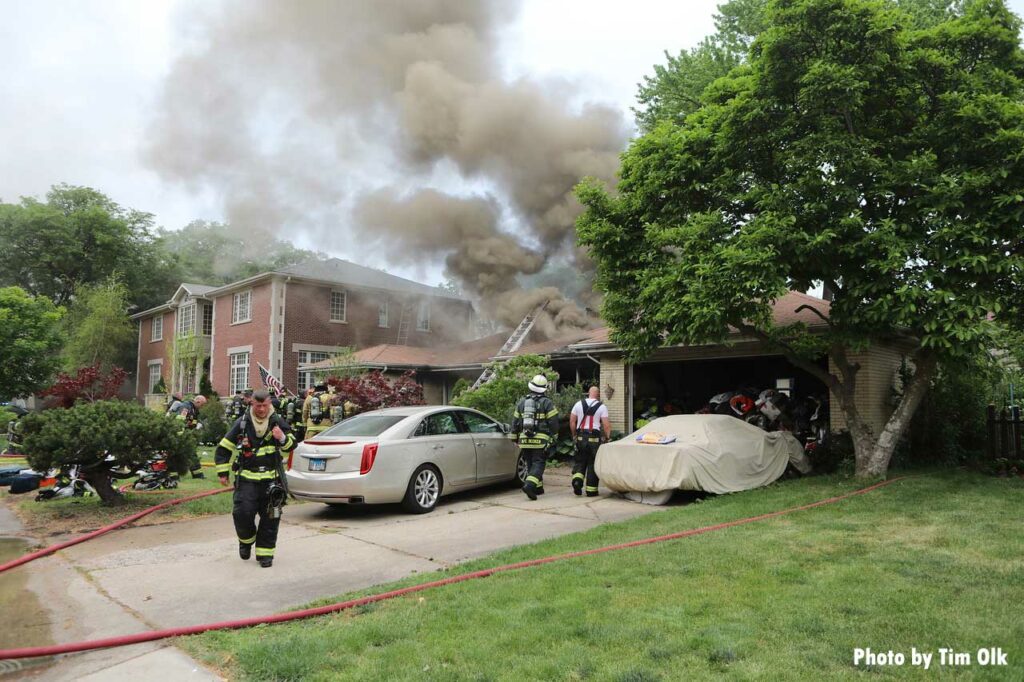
316	408
529	415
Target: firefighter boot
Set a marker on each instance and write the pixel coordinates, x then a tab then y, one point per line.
266	561
244	551
531	487
577	484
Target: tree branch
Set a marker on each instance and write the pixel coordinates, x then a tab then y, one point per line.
814	370
815	311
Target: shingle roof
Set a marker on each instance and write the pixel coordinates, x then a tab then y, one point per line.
197	289
345	272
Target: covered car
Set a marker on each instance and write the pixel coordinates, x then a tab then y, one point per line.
709	452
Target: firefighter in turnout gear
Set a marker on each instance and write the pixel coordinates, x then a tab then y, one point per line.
589	426
315	411
535	425
256	441
187	412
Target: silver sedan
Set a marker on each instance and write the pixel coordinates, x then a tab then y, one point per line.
412	455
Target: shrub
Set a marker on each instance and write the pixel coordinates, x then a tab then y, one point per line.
373	390
215	425
86	433
88	384
499	396
460	387
160	387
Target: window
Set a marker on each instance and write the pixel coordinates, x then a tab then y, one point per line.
241	307
239	377
339	299
423	317
364	425
154	375
784	386
157	331
477	423
207	319
308	379
382	313
187	319
441	424
187	377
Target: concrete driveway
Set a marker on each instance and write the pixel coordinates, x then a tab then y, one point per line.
188	572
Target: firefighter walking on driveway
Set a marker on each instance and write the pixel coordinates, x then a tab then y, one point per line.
535	424
256	440
589	426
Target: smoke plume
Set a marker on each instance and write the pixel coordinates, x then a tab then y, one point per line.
329	113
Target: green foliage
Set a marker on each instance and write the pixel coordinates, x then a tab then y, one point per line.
213	253
499	396
212	417
87	432
850	148
98	328
160	387
80	236
30	336
206	388
460	387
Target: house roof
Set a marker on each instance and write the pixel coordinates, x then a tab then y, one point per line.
788	309
338	271
197	289
481	351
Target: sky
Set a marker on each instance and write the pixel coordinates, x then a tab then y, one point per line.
81	78
254	113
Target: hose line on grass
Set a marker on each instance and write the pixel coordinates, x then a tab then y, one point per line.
152	635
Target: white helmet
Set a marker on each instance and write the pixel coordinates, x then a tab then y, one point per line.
539	384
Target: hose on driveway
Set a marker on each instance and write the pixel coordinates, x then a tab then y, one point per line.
152	635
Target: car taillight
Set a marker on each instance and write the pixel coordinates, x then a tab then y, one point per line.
291	453
369	454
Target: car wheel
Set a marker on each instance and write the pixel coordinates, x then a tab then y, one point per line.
522	470
424	490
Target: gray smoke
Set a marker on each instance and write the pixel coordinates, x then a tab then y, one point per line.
292	111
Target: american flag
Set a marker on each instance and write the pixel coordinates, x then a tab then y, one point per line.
270	380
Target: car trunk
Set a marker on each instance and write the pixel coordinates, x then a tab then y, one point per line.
331	455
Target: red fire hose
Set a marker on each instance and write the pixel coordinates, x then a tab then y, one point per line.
104	530
29	652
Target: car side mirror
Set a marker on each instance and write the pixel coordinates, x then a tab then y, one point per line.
506	428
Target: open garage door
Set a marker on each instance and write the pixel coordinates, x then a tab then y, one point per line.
684	386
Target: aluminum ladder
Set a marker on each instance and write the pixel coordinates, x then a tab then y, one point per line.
513	343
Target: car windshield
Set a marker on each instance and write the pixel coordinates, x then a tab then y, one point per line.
364	425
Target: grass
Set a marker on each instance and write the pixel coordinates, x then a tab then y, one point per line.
81	514
932	561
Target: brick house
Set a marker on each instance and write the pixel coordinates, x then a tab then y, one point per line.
289	317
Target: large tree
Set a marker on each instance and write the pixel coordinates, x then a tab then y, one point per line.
30	338
98	329
859	146
79	236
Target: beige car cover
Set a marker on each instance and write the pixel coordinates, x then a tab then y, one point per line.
714	453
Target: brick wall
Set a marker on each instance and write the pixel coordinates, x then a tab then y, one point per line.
614	375
307	322
153	350
255	333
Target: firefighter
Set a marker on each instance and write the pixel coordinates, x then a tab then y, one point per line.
315	411
589	426
236	407
256	441
535	425
188	413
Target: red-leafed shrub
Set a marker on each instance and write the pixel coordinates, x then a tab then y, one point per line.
372	390
87	385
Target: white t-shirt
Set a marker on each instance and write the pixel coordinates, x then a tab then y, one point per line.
584	423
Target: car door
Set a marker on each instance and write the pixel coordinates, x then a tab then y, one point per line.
495	451
442	439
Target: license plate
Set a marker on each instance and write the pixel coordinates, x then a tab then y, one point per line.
318	465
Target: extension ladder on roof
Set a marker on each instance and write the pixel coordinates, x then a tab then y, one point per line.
513	343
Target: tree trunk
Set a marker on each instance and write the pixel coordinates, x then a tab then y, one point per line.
873	454
99	479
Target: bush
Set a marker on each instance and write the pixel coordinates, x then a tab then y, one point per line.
215	425
499	396
160	387
460	387
88	384
86	433
373	390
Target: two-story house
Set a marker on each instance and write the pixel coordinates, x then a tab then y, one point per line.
293	316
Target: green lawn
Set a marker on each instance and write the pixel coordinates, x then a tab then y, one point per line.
932	561
73	515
